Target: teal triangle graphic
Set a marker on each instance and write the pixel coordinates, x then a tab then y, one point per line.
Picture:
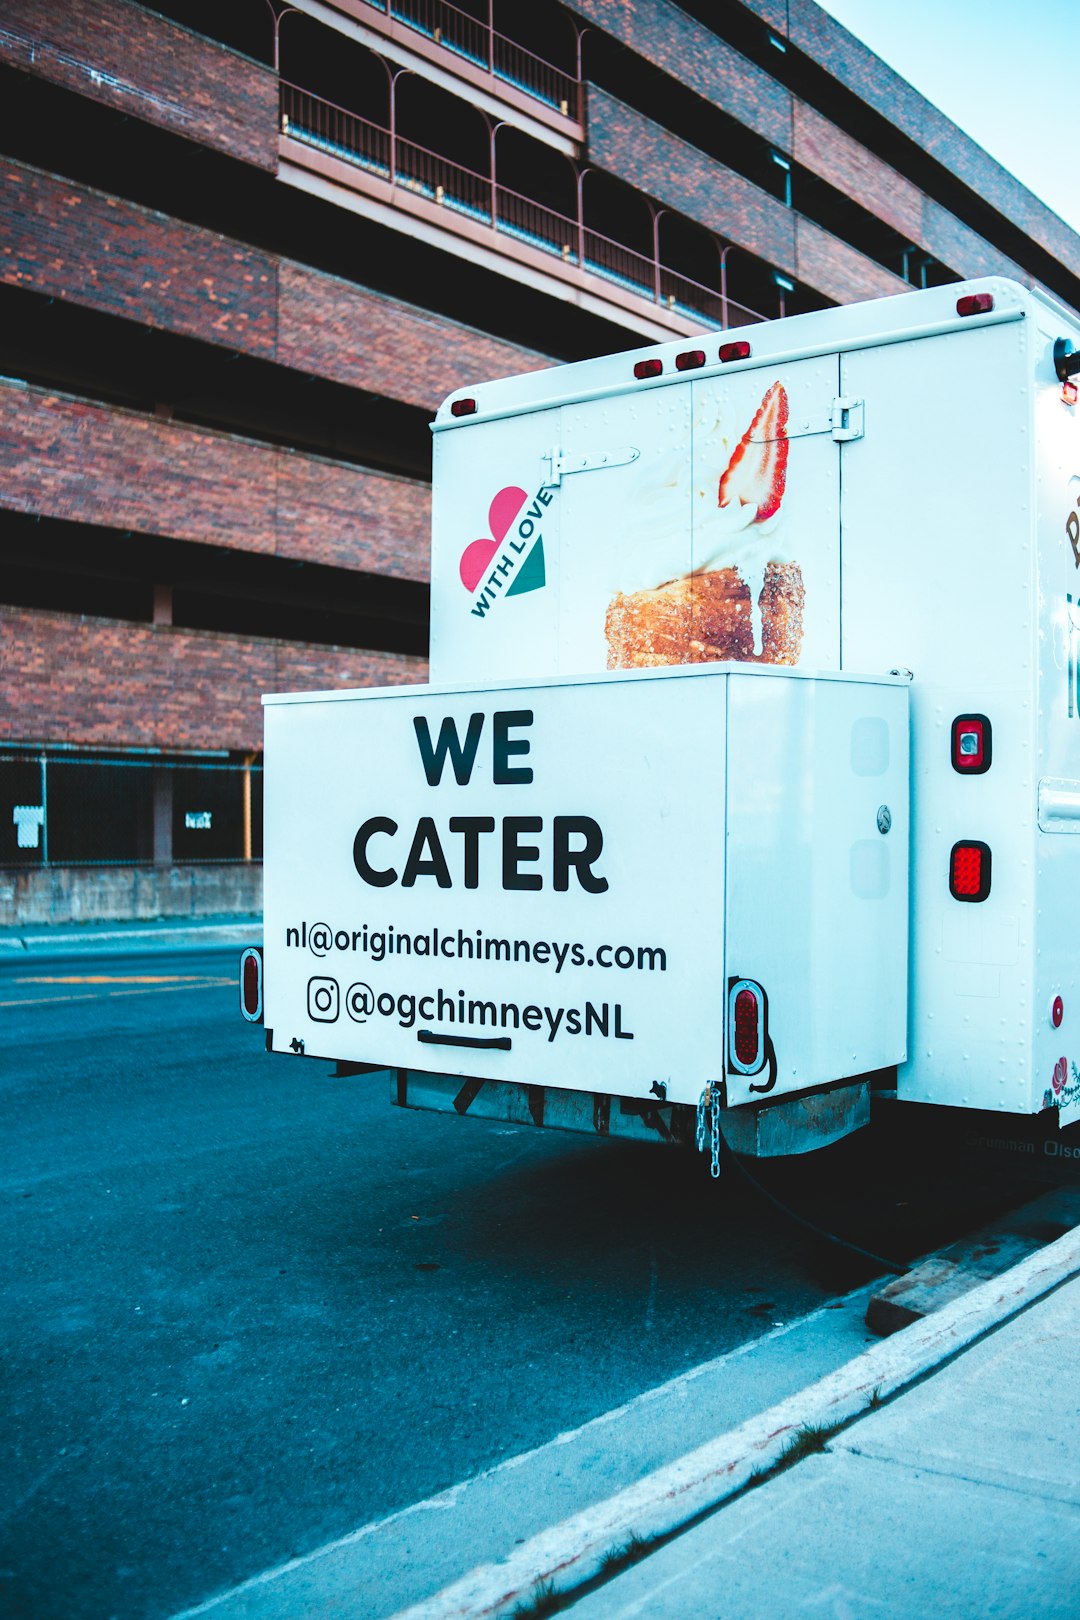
530	576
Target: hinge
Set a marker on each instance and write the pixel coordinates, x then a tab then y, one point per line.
848	419
560	466
845	420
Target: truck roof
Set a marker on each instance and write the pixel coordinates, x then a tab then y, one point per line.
849	326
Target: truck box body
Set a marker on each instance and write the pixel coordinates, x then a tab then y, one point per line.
569	901
885	487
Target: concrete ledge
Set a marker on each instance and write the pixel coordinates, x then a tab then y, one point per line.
79	894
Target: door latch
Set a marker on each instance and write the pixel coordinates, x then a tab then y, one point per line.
560	466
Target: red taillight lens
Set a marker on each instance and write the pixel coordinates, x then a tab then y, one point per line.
971	744
734	351
1057	1012
969	870
975	304
463	407
747	1027
251	984
690	359
648	368
748	1017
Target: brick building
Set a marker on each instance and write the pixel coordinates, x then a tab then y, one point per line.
246	247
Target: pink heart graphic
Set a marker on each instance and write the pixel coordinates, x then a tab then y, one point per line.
501	514
474	562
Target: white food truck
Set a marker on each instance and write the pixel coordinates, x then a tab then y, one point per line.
747	785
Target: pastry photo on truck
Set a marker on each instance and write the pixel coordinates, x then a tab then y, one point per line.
746	790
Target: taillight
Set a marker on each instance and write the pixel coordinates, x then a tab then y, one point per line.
251	984
690	359
734	351
463	407
969	870
971	744
975	304
747	1026
648	368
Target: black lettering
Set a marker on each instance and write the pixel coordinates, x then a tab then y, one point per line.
563	857
292	937
514	853
434	865
470	828
375	824
573	1021
593	1017
620	1033
541	951
478	1012
577	956
532	1017
503	773
462	755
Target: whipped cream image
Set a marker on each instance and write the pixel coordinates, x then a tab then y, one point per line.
665	514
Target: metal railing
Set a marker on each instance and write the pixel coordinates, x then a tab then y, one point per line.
482	44
62	808
416	169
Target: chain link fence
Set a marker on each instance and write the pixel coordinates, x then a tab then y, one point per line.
61	809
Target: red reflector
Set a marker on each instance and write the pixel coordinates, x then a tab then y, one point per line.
747	1042
251	985
969	871
734	351
971	744
975	304
463	407
1057	1012
689	359
648	368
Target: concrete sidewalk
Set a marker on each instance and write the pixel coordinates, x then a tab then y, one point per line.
939	1473
42	942
961	1497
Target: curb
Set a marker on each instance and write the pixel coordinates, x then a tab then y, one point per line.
566	1556
23	947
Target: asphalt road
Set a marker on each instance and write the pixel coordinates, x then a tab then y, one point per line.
249	1307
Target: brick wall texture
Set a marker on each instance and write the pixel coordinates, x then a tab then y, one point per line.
641	152
678	44
69	458
130	58
71	242
103	683
826	151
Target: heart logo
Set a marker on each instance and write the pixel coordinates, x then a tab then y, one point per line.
478	554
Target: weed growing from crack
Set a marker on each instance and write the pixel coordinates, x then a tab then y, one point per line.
629	1553
544	1600
805	1442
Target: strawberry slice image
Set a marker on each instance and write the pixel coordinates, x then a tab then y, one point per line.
756	472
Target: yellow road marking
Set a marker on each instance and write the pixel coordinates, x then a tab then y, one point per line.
105	995
119	978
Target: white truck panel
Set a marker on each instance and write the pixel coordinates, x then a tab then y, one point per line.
615	982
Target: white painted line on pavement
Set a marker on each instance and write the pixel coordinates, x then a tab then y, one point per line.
573	1552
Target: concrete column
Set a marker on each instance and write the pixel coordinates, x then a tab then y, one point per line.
163	817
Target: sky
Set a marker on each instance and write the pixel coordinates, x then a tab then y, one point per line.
1007	72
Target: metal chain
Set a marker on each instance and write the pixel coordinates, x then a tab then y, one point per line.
709	1135
715	1143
